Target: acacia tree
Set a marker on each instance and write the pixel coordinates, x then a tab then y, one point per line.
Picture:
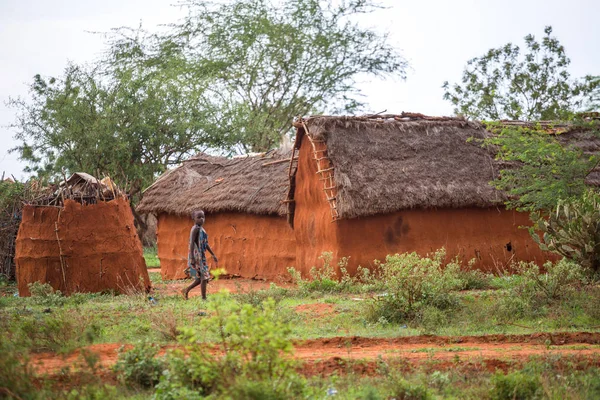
508	83
130	125
270	61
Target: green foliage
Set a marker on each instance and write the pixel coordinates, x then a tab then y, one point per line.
405	390
55	330
127	121
528	296
325	279
506	83
257	297
140	365
473	279
573	230
543	171
254	349
594	103
557	282
413	283
151	257
43	294
266	63
16	373
516	386
9	192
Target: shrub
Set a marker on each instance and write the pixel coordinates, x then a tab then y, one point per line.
59	331
573	231
471	278
250	359
326	280
557	282
530	295
140	366
256	297
412	283
515	386
16	374
404	390
43	294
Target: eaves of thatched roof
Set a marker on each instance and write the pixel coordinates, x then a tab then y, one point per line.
256	185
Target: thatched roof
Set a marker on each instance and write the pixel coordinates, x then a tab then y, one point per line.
218	184
386	164
589	142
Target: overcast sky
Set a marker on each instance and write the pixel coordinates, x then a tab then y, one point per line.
436	36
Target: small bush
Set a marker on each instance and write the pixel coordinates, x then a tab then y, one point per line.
43	294
326	280
140	366
559	280
256	297
403	390
534	292
413	283
253	356
16	374
473	279
515	386
58	331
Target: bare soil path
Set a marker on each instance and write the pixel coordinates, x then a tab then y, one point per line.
331	352
229	284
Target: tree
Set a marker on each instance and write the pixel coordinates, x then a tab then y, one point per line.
594	103
506	83
269	61
540	170
130	125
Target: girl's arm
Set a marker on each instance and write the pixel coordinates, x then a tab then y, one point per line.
212	253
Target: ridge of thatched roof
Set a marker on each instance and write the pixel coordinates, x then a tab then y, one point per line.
252	184
387	163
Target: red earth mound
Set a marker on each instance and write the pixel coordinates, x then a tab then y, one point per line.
91	248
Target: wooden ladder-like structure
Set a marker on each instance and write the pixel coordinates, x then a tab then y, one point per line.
325	170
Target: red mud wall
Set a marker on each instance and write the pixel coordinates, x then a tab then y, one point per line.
252	246
491	236
98	246
315	232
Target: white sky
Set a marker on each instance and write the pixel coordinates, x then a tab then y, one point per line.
436	36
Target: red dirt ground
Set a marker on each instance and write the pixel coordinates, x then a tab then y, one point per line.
322	356
232	285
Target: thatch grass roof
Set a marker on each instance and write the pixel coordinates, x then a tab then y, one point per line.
218	184
386	164
588	142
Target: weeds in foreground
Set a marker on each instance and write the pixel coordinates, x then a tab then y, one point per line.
139	366
326	280
250	360
413	285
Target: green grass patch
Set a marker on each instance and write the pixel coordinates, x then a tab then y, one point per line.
151	257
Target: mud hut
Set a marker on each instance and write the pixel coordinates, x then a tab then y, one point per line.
365	187
245	221
80	239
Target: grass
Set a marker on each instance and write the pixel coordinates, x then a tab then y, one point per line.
151	257
60	324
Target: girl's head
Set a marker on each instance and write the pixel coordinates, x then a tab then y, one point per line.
198	217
